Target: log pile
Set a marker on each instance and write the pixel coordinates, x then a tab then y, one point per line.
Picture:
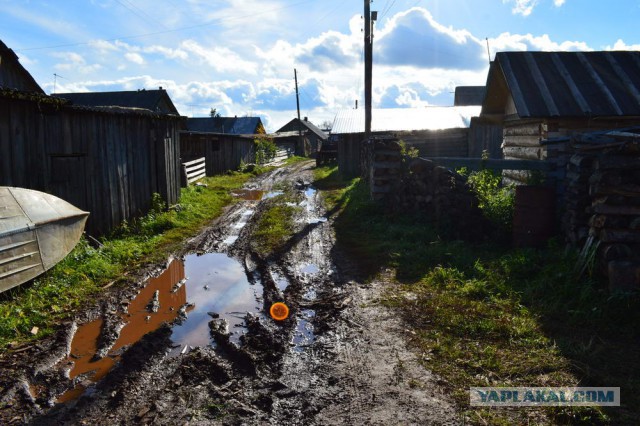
602	202
443	196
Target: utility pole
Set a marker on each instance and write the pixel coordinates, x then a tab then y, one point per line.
300	141
368	64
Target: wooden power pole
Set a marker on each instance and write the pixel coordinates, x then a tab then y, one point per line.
368	66
300	141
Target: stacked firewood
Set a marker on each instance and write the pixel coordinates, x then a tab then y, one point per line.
443	196
575	220
603	203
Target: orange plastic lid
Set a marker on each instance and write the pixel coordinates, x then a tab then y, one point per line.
279	311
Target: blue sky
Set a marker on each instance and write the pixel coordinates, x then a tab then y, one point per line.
238	56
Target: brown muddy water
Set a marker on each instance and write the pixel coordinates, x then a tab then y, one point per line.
187	295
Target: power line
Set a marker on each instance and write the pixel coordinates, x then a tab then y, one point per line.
142	14
192	27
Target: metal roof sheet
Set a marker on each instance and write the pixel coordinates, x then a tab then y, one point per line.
405	119
293	126
571	84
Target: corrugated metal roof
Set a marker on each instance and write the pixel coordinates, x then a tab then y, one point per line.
228	125
405	119
153	100
571	84
469	95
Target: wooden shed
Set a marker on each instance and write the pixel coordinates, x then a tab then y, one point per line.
310	131
541	96
13	75
108	161
222	151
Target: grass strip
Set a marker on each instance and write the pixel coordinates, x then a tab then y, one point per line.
481	314
33	310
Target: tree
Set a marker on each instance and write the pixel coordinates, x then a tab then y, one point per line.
214	113
326	124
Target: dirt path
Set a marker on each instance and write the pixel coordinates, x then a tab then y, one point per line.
194	345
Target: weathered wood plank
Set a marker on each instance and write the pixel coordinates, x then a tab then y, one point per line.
524	153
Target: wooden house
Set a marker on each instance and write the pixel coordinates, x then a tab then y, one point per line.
310	131
105	160
541	96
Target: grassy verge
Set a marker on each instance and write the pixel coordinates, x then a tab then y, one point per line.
276	226
33	310
486	315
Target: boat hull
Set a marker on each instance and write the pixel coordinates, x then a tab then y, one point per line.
37	230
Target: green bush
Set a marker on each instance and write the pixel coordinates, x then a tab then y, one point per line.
265	149
495	201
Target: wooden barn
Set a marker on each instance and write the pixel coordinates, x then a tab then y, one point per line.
222	151
13	75
157	101
310	131
105	160
434	131
225	142
541	96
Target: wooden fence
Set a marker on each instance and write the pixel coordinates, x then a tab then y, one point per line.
105	161
194	170
222	152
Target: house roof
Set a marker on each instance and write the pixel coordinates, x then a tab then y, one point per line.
565	84
153	100
469	95
405	119
228	125
13	75
293	126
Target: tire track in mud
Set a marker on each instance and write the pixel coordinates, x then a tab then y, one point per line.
336	360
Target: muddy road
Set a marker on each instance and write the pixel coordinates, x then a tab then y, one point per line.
193	342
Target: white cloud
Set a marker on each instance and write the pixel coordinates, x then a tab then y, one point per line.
558	3
621	45
520	42
222	59
523	7
136	58
414	38
75	62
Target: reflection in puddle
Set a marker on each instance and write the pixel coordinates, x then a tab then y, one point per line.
304	333
248	194
217	284
139	321
310	269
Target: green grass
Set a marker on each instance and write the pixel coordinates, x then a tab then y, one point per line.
484	314
77	280
276	225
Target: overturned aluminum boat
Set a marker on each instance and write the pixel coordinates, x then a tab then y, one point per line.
37	230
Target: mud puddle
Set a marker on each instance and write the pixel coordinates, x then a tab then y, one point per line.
188	294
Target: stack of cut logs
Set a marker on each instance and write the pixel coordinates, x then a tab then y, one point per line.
603	202
443	196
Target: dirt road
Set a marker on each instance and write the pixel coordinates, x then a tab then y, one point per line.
194	343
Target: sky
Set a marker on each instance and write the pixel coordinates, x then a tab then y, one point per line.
239	56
